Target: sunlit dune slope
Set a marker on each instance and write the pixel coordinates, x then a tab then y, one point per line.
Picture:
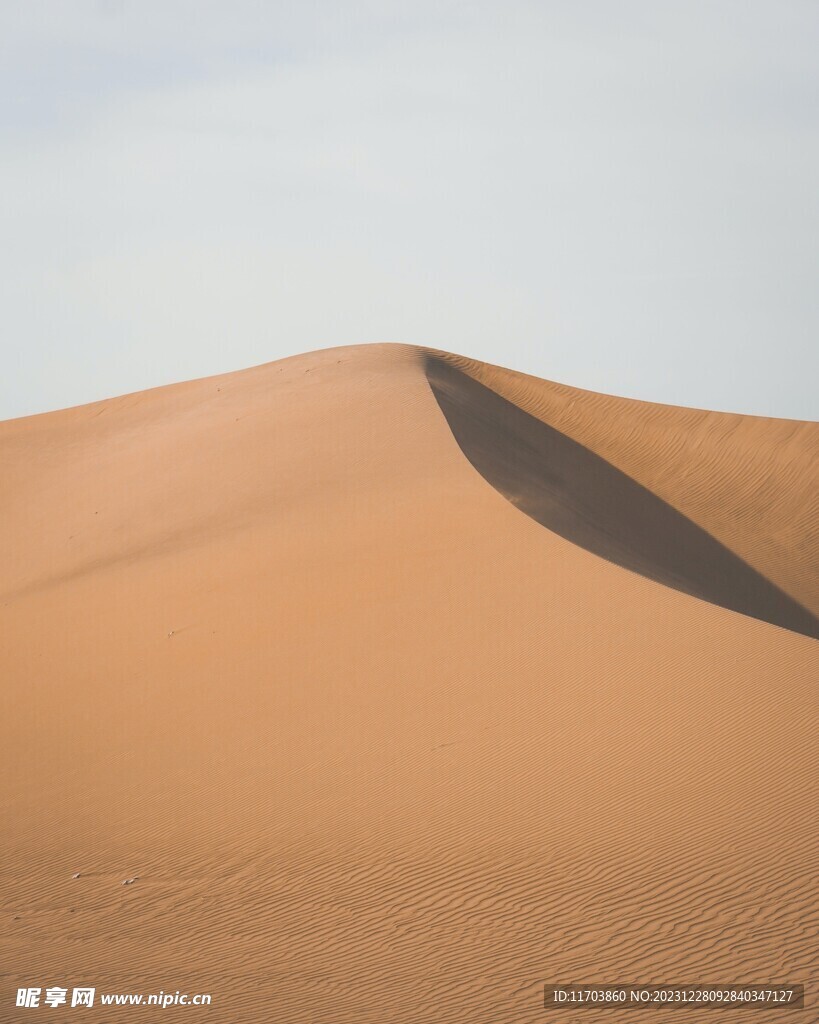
405	684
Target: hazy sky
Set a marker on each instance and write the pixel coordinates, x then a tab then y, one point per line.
617	195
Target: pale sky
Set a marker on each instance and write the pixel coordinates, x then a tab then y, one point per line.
617	194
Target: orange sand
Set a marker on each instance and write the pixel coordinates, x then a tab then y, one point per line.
294	646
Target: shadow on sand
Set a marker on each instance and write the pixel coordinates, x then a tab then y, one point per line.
583	498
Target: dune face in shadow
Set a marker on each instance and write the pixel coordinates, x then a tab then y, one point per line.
586	500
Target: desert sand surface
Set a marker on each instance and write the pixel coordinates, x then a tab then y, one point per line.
405	684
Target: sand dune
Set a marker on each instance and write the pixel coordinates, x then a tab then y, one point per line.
581	496
403	684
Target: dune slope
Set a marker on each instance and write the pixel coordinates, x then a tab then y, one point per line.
389	722
581	496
